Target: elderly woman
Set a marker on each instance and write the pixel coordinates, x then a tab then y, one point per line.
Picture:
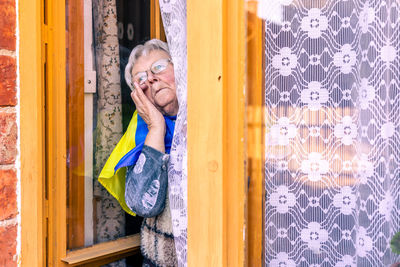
150	74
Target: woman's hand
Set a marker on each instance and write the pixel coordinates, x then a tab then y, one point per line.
147	111
152	117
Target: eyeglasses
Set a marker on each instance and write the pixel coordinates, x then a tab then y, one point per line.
156	68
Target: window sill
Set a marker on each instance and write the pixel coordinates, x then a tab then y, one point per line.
104	253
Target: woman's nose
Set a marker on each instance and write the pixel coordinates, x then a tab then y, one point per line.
151	77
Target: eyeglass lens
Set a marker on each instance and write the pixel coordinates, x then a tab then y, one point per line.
156	68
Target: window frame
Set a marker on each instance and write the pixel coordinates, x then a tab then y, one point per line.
43	138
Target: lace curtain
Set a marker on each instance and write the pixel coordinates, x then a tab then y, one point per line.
110	219
174	20
333	133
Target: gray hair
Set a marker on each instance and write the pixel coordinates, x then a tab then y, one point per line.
142	50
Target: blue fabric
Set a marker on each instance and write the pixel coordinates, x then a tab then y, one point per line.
132	156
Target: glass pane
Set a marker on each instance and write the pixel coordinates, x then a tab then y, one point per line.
101	35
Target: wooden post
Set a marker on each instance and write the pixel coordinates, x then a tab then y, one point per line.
31	139
216	125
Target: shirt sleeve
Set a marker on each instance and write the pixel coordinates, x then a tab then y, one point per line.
146	183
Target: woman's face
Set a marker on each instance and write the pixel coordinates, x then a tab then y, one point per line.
159	88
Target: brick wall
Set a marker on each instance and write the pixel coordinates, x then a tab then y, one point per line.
8	134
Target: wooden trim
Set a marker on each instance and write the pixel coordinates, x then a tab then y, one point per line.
234	152
156	25
106	252
215	110
56	153
75	126
255	143
31	134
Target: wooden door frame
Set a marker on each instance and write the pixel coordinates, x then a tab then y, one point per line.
217	176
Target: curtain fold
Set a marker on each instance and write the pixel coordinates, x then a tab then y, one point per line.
332	176
110	219
174	19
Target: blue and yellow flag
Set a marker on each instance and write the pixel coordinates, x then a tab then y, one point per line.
126	153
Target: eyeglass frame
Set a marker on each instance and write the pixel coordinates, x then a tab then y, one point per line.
150	69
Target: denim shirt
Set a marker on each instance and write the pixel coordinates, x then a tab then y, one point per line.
146	183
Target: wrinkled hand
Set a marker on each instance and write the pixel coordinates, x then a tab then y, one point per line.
147	111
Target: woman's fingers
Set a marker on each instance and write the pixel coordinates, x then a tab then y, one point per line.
145	108
144	100
136	99
141	95
140	107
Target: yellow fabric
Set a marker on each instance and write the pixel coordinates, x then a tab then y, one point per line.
115	182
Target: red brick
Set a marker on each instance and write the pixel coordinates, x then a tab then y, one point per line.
8	137
8	77
7	24
8	246
8	194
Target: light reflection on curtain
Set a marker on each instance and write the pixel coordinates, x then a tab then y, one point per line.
333	133
174	20
110	219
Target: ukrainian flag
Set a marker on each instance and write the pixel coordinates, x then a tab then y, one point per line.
126	153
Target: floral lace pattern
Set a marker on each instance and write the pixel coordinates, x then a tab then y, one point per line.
110	218
174	19
332	140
